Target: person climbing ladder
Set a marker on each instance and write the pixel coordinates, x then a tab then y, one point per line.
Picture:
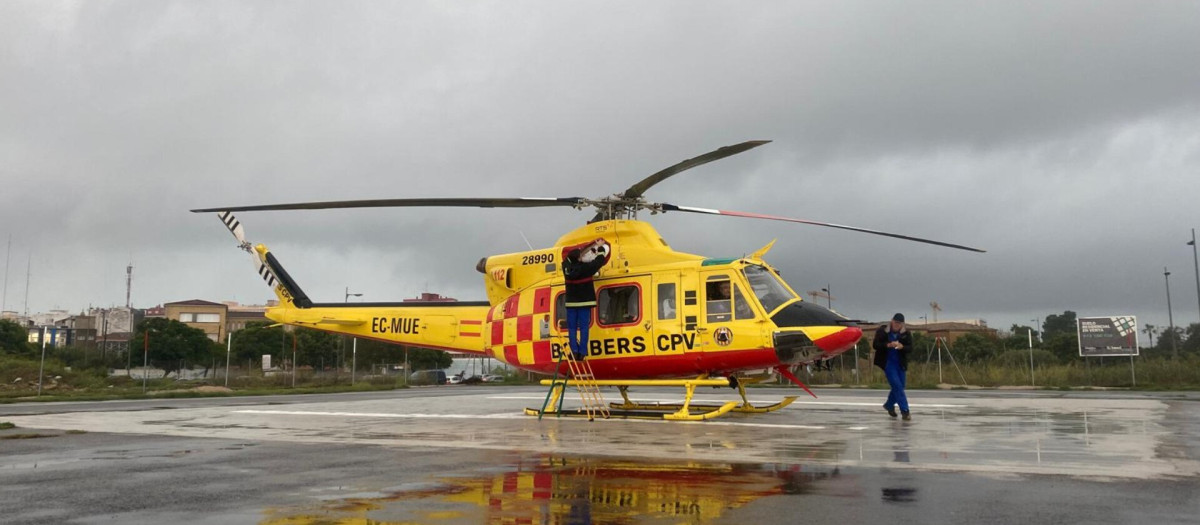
579	269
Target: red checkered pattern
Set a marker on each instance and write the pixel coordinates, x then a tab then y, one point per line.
513	336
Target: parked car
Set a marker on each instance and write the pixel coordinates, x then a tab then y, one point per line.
454	379
493	378
427	377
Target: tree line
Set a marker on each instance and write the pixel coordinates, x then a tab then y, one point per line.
170	345
173	345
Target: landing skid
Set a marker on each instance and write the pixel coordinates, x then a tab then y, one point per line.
744	408
686	411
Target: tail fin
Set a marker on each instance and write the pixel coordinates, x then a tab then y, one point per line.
285	288
268	267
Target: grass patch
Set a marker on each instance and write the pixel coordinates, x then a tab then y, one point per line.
26	436
73	432
1152	374
5	425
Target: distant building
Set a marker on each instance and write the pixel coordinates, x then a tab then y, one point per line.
51	327
427	297
196	313
239	315
111	328
155	311
94	328
116	341
54	335
51	318
116	319
91	329
83	330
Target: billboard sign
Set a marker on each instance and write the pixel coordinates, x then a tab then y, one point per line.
1106	336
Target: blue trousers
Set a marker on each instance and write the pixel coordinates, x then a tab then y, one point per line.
895	378
578	321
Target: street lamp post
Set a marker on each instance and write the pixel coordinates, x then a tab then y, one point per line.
828	296
1195	265
145	358
1170	316
42	367
228	352
343	339
1031	381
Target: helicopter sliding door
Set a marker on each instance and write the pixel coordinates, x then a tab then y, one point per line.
723	312
669	337
622	321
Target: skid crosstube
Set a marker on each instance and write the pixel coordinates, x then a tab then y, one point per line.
628	409
744	408
697	413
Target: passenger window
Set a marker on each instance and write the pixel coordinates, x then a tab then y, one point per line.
618	305
667	303
560	312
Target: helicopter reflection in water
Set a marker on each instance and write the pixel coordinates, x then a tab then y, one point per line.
549	489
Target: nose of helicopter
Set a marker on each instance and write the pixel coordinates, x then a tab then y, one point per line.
795	345
839	340
807	332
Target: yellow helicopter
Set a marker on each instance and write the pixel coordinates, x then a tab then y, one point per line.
663	318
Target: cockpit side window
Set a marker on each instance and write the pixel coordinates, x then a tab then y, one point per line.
741	308
767	287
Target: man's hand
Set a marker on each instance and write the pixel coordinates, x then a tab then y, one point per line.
600	247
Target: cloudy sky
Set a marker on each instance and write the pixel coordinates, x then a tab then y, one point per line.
1063	137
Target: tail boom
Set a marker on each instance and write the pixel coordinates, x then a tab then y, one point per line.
453	327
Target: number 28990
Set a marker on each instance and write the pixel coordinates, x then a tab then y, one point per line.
538	258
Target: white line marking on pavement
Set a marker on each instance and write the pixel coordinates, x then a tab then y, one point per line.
504	416
797	402
380	414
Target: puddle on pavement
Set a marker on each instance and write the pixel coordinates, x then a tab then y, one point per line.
556	489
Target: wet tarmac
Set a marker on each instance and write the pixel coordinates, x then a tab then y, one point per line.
468	456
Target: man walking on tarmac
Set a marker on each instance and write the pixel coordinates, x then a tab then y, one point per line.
892	344
579	267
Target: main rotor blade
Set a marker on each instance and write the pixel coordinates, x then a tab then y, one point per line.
470	202
672	207
640	188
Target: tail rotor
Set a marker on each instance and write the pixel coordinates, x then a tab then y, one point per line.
260	264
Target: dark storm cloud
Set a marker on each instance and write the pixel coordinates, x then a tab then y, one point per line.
1062	137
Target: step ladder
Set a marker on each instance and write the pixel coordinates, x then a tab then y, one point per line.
579	374
589	393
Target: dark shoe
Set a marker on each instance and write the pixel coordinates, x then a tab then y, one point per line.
907	416
891	411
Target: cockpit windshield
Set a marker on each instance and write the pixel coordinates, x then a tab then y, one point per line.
767	287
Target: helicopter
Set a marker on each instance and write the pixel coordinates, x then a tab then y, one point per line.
663	317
